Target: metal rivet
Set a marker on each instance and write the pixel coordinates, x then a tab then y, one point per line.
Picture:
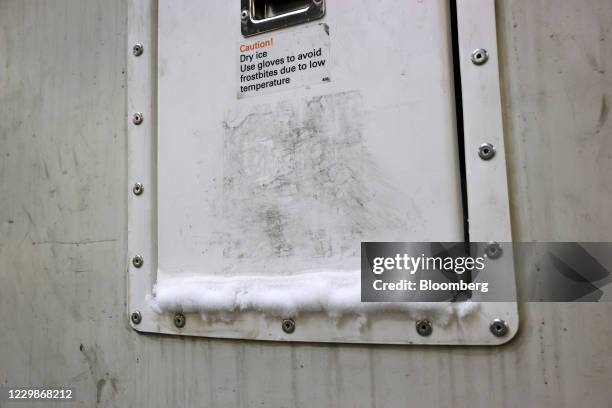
136	317
288	325
486	151
244	14
424	327
480	56
138	49
137	261
138	188
493	250
137	118
499	328
180	320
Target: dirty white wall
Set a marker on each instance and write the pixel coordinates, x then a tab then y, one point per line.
63	195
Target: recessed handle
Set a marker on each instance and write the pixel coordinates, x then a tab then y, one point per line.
260	16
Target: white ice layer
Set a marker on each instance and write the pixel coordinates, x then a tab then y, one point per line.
335	293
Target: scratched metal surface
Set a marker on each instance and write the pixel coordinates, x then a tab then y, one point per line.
63	232
288	182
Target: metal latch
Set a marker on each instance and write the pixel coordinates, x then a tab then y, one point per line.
260	16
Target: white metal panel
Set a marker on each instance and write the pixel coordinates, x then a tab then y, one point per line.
292	181
487	187
486	180
295	180
141	148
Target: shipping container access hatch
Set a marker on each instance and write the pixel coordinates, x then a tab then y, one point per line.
268	139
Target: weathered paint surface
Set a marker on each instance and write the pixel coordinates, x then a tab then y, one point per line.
291	162
63	232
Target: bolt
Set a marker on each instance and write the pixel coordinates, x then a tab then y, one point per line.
137	261
179	320
137	118
136	317
288	326
499	328
493	250
424	327
486	151
137	50
244	14
138	188
480	56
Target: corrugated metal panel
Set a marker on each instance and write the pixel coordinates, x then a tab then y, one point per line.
63	232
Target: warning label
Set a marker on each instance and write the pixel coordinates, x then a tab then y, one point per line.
289	60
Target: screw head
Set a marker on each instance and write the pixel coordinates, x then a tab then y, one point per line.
499	328
137	118
138	188
288	326
136	317
180	320
480	56
493	250
137	261
424	327
138	49
244	14
486	151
